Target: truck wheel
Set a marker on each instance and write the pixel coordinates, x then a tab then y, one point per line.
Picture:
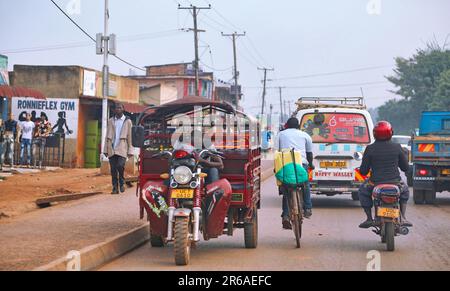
430	196
251	232
182	241
355	196
390	236
419	196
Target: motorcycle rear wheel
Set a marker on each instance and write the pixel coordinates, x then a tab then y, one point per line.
389	231
182	241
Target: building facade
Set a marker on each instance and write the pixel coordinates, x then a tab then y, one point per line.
167	83
74	94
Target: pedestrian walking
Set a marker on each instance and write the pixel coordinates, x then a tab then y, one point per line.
118	146
27	128
10	137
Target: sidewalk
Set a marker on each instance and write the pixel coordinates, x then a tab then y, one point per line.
39	237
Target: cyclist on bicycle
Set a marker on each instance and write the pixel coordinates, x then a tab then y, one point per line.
293	138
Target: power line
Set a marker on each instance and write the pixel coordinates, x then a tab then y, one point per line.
326	86
231	26
334	73
93	39
129	38
73	21
215	69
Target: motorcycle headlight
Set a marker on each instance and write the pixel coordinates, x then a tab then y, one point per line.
182	175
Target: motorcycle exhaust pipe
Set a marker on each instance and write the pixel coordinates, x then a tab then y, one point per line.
197	211
404	230
170	225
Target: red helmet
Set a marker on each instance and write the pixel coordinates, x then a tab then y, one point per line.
383	131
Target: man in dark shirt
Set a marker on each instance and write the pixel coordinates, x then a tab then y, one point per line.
9	139
383	159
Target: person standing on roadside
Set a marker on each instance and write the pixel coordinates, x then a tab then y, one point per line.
2	139
10	137
118	147
27	128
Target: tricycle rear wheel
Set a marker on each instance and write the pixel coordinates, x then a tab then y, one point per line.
156	241
251	231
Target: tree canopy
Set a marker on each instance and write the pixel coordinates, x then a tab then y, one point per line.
424	83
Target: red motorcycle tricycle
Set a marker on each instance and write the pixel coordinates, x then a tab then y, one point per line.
172	187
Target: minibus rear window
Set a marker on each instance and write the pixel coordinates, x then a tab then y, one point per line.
336	127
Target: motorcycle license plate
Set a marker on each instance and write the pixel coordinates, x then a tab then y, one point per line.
388	212
182	193
333	164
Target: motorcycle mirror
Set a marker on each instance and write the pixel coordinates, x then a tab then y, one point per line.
138	137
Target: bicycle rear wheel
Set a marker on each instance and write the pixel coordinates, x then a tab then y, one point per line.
296	215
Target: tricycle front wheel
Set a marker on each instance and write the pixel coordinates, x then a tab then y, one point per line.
182	241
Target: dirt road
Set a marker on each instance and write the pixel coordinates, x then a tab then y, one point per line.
331	241
19	192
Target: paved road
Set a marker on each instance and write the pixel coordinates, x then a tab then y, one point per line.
331	241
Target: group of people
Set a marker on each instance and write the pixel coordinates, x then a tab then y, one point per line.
31	134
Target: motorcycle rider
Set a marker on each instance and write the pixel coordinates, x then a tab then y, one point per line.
383	159
293	138
212	165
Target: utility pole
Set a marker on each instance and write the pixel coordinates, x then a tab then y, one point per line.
195	11
234	36
103	48
269	120
281	105
264	88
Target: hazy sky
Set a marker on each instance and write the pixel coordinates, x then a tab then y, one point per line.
295	37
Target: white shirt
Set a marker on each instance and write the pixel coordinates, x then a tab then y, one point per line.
27	129
118	123
296	139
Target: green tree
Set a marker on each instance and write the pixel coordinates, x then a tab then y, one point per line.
441	99
423	81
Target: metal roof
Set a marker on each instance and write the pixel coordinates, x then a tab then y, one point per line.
9	92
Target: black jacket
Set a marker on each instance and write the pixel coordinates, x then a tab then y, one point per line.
384	158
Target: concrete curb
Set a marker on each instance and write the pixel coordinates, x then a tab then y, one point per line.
96	255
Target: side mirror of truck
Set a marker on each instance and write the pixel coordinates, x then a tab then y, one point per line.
138	136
